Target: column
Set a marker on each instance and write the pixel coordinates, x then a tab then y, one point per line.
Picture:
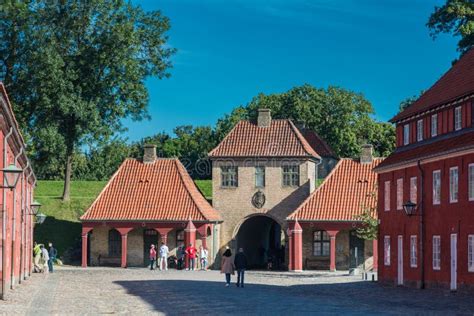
332	251
375	252
203	234
124	233
85	233
189	238
297	249
290	249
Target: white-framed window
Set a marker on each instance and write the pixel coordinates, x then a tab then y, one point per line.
386	250
436	253
437	187
291	175
434	125
453	184
413	251
470	253
260	176
413	189
471	181
387	196
400	194
419	130
457	118
406	134
229	177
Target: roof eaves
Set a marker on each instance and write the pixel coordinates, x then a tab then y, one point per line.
303	142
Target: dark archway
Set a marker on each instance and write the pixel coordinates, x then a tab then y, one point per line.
262	239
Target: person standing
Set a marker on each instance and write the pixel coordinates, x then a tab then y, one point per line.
45	255
203	253
191	252
180	253
152	257
240	263
52	256
37	257
164	256
227	265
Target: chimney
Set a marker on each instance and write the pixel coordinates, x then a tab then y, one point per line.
149	153
366	155
264	118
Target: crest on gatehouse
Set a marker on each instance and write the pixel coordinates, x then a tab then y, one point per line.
258	199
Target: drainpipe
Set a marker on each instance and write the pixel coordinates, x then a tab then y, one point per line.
22	225
28	235
4	213
422	229
12	275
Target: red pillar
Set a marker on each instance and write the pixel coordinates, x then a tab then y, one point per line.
85	232
375	255
332	251
124	233
164	231
189	238
297	250
290	249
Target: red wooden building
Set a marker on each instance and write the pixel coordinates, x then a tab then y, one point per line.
426	187
17	221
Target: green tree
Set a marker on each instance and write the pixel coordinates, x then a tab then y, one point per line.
77	68
456	17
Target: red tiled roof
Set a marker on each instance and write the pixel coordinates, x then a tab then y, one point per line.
280	139
456	83
438	146
347	191
318	144
159	191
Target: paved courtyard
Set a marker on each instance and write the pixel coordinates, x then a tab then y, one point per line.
94	291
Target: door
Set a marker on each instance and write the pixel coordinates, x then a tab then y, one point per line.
356	250
454	262
400	260
150	236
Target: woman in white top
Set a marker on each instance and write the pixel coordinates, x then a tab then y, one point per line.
203	253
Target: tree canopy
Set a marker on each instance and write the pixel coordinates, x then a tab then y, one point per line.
74	69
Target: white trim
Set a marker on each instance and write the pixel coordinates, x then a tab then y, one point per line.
400	194
436	249
453	186
414	189
419	130
386	250
458	118
413	251
387	196
434	118
470	186
470	253
406	134
438	200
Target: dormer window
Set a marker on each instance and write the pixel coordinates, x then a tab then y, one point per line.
434	125
406	134
419	130
457	118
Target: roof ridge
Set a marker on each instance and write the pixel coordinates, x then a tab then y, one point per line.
303	141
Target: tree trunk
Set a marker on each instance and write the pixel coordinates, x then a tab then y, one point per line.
67	176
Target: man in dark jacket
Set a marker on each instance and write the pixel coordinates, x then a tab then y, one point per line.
240	263
53	253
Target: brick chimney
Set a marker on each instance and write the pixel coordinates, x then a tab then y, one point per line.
264	118
149	153
366	155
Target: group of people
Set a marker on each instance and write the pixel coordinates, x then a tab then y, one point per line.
182	252
44	258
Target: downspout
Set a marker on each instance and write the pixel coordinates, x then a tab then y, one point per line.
4	213
22	225
12	278
28	239
422	229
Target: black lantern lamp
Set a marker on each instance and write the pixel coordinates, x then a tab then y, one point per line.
11	174
35	206
40	218
409	208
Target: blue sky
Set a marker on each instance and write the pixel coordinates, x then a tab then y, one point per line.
231	50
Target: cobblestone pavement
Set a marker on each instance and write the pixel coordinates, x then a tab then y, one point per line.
92	291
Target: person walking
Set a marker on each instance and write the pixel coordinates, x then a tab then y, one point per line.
240	263
191	252
164	256
45	257
227	265
53	253
152	257
37	257
203	253
180	254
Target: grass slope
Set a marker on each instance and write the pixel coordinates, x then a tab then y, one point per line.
62	226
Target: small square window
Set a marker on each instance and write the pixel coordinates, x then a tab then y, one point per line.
291	176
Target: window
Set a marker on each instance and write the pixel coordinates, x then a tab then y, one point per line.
320	243
434	125
471	182
453	184
413	253
386	250
115	243
179	238
291	176
406	134
229	177
470	253
387	196
400	194
413	189
419	130
437	187
260	176
457	118
436	253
